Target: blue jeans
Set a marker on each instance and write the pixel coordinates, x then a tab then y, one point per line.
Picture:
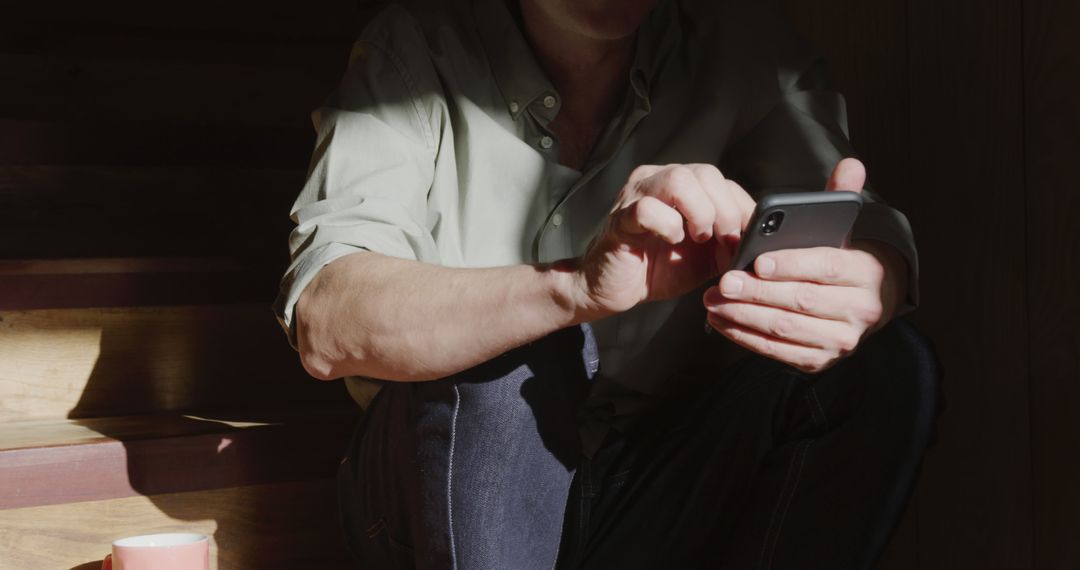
753	466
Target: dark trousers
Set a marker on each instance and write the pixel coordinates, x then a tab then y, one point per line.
753	466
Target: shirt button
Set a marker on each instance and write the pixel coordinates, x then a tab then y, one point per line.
549	101
556	220
546	142
514	107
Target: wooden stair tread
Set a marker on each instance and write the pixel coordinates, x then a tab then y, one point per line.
60	432
61	461
107	362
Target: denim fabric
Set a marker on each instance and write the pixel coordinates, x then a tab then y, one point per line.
471	471
754	466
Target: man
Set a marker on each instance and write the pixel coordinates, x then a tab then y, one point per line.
513	227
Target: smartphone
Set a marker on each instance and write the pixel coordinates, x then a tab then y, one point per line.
797	220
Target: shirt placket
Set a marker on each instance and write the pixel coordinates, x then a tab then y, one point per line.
556	235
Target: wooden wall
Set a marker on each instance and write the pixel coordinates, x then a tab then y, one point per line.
968	115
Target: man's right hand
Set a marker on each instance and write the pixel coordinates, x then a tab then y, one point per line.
672	228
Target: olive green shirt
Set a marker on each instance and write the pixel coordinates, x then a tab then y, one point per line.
436	147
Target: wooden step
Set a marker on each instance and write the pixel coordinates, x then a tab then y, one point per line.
47	462
132	282
127	141
130	211
243	19
261	484
84	363
75	86
277	525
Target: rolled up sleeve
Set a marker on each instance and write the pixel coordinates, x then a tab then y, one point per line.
797	143
369	178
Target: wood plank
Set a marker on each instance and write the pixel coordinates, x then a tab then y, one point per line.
115	266
123	361
130	142
284	525
33	434
72	87
245	18
133	282
1052	124
135	42
967	148
150	455
132	211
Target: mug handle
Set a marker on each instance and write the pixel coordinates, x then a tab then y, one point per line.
106	564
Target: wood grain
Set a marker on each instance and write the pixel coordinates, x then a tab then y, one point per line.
151	455
974	508
36	434
1052	124
116	41
130	211
70	88
128	142
241	18
286	525
236	282
127	361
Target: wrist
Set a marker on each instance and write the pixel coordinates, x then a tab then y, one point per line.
570	291
894	280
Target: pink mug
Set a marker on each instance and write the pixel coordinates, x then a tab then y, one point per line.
168	551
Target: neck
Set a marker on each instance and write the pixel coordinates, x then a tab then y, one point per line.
589	72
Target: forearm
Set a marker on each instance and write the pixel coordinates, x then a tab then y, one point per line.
394	319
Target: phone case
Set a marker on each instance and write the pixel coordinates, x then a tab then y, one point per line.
809	219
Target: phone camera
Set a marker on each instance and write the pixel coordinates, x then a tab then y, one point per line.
772	223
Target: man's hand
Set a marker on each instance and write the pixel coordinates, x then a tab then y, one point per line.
672	228
810	307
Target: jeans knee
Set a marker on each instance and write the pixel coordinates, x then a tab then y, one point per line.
891	387
475	465
904	368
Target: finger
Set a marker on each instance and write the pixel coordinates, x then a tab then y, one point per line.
826	265
746	206
814	299
649	215
718	190
811	360
642	172
796	328
849	174
678	186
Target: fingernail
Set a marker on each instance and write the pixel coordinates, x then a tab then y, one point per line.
731	285
713	296
765	266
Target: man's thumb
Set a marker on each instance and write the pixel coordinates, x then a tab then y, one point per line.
849	174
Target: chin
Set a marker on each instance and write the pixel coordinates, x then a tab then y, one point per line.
614	26
603	19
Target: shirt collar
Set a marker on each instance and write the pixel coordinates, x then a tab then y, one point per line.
517	73
521	79
656	37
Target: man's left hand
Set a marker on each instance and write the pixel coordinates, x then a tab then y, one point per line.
811	307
